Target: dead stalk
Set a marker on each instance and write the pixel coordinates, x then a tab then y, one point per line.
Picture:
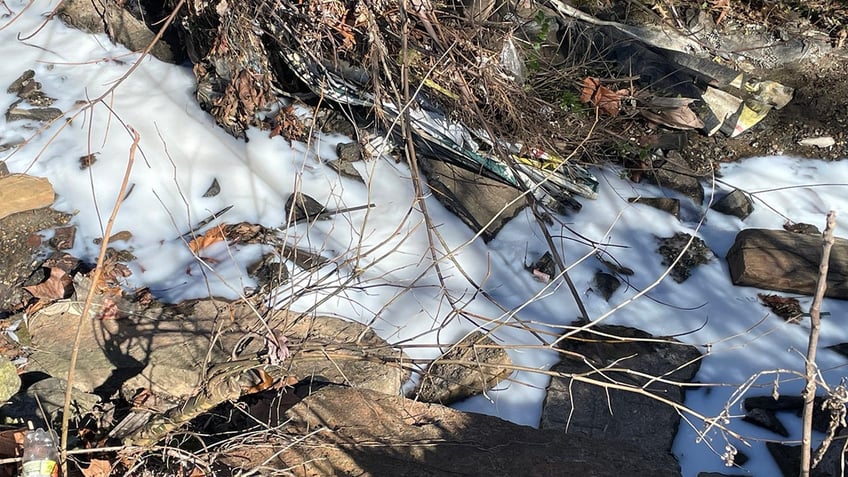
98	270
812	346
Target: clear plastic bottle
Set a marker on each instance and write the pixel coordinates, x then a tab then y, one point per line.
40	454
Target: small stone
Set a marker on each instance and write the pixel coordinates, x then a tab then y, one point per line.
213	190
303	207
819	142
736	203
63	238
16	113
666	204
19	83
605	284
464	376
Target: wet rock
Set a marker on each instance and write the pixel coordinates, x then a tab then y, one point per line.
590	410
674	172
736	203
477	364
377	434
666	204
788	262
483	204
694	254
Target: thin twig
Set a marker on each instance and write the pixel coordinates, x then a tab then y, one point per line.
812	346
98	270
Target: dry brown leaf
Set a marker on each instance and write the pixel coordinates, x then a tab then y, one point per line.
603	98
56	287
213	235
97	468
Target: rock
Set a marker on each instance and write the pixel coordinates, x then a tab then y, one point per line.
343	431
672	206
820	142
788	262
767	420
20	192
44	400
214	189
782	403
483	365
4	169
590	410
16	113
348	154
675	173
841	348
18	244
821	419
482	203
605	284
10	382
788	459
167	349
696	253
801	228
116	22
735	203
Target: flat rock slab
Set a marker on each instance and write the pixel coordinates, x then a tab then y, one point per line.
470	367
167	349
20	193
590	410
360	432
483	204
788	262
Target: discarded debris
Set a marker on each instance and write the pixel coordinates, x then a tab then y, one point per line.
820	142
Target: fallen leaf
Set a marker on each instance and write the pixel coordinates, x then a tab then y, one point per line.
785	307
56	287
603	98
213	235
97	468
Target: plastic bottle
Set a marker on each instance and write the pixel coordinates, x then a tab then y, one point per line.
40	454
